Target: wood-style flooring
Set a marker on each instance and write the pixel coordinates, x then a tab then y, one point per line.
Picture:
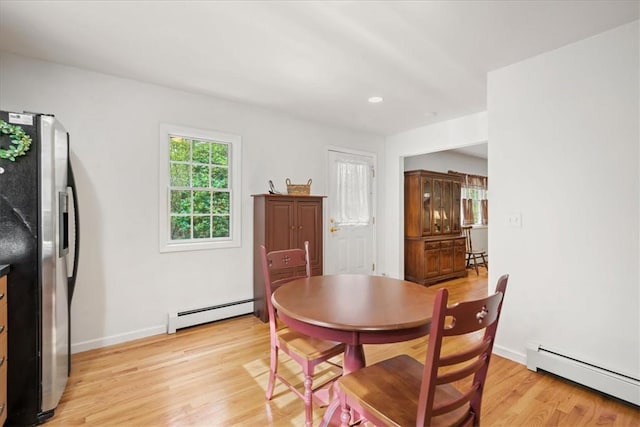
216	375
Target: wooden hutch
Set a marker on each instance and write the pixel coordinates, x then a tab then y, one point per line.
434	247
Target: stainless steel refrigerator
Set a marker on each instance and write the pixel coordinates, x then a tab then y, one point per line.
38	227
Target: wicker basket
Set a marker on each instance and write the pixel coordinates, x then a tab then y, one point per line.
303	189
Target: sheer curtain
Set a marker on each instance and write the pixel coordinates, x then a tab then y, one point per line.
353	193
475	198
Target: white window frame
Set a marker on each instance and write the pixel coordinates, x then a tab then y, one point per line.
235	154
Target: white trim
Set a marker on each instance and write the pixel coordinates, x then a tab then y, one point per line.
117	339
235	144
509	354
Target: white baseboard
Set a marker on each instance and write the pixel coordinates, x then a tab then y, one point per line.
117	339
510	354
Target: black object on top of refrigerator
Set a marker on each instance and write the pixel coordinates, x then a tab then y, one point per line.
38	215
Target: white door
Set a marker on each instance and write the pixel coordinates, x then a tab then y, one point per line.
350	244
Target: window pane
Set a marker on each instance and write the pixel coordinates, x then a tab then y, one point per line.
220	154
180	227
220	203
219	177
201	201
179	175
201	152
181	201
179	149
221	226
200	176
201	227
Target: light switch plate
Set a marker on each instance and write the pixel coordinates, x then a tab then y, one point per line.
514	219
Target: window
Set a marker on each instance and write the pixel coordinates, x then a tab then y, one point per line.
475	204
199	189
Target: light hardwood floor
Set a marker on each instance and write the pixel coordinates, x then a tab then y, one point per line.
216	375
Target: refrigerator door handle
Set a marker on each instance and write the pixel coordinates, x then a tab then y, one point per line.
71	280
63	224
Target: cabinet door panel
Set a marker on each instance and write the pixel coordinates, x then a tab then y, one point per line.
280	223
309	228
459	258
432	263
446	260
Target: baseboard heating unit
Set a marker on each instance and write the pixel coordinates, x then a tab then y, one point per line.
198	316
612	383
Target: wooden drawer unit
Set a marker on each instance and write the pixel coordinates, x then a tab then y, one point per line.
3	349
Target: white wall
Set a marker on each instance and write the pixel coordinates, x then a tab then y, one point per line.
563	152
125	286
462	132
444	161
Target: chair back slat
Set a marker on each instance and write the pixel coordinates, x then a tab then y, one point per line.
462	373
466	229
471	316
463	356
454	404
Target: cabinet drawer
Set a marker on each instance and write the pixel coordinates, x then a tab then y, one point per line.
431	245
446	244
460	242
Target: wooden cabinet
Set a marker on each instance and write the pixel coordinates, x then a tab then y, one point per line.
434	244
284	222
3	349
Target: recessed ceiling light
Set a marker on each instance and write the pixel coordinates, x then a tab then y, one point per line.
375	99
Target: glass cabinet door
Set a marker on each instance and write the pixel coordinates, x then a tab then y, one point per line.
455	210
437	207
426	206
446	207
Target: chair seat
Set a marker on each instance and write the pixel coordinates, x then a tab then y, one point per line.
308	347
390	389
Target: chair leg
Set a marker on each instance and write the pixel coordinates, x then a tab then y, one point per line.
273	368
475	264
345	414
484	261
308	399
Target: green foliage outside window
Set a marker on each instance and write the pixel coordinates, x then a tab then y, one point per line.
199	193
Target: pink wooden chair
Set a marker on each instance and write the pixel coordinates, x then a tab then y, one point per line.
285	266
402	392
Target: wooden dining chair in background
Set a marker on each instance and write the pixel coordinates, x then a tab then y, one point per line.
305	350
478	257
403	392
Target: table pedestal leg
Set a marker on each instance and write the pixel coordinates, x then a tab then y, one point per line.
353	360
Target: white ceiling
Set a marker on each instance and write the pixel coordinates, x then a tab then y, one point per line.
315	60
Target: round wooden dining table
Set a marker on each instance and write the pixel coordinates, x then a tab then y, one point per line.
355	310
